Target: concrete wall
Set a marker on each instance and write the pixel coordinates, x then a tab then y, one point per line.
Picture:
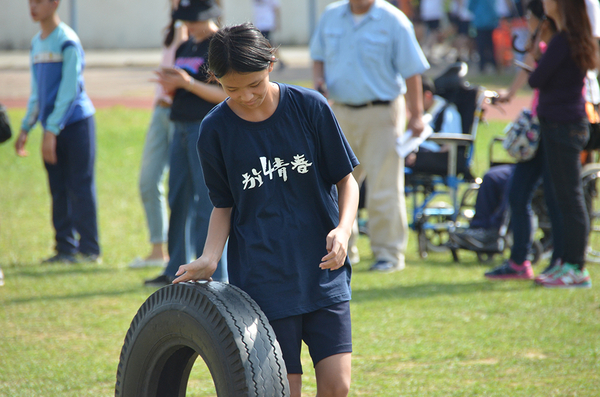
108	24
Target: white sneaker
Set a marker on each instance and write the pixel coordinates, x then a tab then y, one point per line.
1	278
139	262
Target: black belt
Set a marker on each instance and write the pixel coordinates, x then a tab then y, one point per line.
363	105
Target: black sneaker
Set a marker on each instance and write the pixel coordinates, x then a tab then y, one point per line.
61	257
509	270
160	281
476	239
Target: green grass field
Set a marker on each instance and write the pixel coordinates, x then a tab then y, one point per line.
437	328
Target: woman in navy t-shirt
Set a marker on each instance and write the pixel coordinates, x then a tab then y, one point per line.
279	173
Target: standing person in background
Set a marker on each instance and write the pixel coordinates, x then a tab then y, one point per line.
59	102
155	158
432	12
193	99
461	18
366	57
559	77
485	20
527	176
267	19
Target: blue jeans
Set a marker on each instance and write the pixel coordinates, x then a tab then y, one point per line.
525	180
73	189
188	198
155	163
563	144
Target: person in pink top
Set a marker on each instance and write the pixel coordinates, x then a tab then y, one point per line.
155	158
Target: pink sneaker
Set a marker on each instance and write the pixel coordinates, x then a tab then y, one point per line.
569	276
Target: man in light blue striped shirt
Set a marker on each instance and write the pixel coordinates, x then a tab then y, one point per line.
366	58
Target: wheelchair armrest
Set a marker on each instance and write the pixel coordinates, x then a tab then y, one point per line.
451	138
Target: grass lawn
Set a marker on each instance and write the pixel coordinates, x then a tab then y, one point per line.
437	328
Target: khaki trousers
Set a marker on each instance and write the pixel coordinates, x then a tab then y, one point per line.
372	131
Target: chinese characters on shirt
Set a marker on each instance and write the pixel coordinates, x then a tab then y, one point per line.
276	167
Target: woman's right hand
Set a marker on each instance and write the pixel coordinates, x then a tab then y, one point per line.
200	269
504	96
20	144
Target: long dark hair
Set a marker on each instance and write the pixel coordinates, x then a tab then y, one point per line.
584	48
170	33
239	48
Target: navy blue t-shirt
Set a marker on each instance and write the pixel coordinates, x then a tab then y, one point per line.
279	177
191	57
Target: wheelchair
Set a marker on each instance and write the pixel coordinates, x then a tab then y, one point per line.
435	204
542	242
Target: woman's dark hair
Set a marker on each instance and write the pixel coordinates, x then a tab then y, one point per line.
584	47
170	36
537	8
239	48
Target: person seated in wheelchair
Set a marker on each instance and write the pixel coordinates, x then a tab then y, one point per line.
491	205
431	157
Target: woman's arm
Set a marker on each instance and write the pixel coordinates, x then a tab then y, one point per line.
337	239
519	80
174	78
204	267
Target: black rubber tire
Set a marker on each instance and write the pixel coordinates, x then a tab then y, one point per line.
217	321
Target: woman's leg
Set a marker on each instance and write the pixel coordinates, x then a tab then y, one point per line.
333	375
563	144
180	196
525	180
202	206
558	244
155	163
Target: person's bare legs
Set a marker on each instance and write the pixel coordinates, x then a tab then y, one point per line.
295	381
333	375
158	253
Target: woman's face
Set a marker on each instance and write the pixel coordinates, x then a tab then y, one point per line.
197	28
247	90
532	21
551	9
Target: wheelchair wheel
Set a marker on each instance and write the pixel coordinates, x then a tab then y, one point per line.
466	210
537	250
485	257
589	176
433	228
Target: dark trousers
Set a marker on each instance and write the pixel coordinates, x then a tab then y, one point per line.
189	201
492	198
73	190
563	144
526	179
485	48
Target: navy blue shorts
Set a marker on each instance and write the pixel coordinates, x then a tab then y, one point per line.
326	332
